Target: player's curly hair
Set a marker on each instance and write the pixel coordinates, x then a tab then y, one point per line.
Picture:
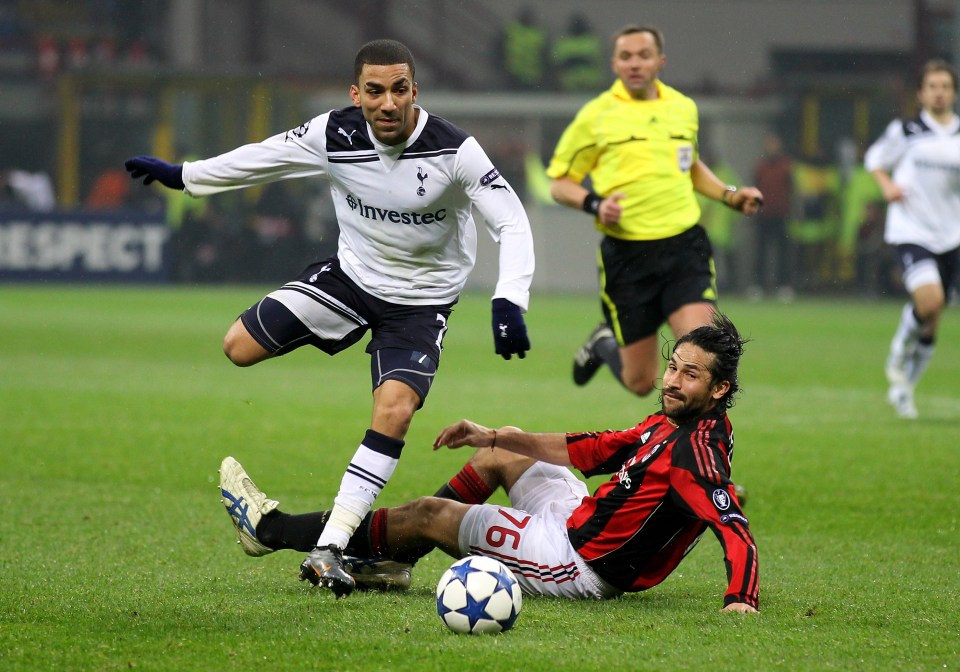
382	52
724	341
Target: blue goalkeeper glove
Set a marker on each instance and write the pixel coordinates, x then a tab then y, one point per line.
150	169
509	330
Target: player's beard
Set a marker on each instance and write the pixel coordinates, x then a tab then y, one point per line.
683	409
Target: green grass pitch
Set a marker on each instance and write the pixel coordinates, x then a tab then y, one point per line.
117	405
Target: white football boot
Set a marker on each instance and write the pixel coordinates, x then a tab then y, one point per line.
901	398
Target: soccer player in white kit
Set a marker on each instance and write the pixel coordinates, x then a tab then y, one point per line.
403	183
917	165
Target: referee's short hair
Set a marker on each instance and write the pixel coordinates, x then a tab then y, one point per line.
638	28
936	65
382	52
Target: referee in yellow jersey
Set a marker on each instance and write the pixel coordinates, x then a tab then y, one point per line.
637	142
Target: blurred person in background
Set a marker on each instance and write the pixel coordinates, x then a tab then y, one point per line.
275	232
773	175
637	142
110	190
916	162
404	184
523	51
577	57
24	189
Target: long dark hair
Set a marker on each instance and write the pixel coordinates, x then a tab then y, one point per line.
724	341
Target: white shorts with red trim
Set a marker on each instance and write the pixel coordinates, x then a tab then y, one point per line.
530	537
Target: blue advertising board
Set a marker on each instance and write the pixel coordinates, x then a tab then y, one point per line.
84	246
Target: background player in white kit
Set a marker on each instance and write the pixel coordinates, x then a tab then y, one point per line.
403	183
917	165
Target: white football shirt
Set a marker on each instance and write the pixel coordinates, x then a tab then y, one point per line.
923	158
407	233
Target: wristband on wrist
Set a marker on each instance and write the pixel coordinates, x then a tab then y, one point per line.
591	203
728	191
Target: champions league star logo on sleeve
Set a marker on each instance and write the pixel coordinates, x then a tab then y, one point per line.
299	131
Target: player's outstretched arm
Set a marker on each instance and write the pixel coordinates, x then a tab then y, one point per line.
152	169
551	448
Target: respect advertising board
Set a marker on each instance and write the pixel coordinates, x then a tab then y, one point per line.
84	246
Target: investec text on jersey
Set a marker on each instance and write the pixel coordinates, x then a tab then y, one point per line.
375	213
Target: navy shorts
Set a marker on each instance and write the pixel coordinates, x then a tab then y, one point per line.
643	281
922	267
324	308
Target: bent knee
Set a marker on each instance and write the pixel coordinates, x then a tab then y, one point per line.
929	311
241	348
494	459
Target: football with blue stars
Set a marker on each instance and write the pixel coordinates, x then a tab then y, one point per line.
478	595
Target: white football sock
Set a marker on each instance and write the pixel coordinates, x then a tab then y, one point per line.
908	331
365	478
918	362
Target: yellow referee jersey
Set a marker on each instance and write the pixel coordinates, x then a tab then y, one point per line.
643	148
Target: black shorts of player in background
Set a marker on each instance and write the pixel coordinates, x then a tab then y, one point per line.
643	281
324	308
910	256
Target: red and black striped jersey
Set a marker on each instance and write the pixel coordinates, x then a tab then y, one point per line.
669	485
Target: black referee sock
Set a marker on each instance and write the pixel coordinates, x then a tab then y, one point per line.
608	351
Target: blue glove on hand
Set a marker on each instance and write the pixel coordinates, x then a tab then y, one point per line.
167	174
509	330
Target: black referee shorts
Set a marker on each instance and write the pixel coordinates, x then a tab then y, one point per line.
643	281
